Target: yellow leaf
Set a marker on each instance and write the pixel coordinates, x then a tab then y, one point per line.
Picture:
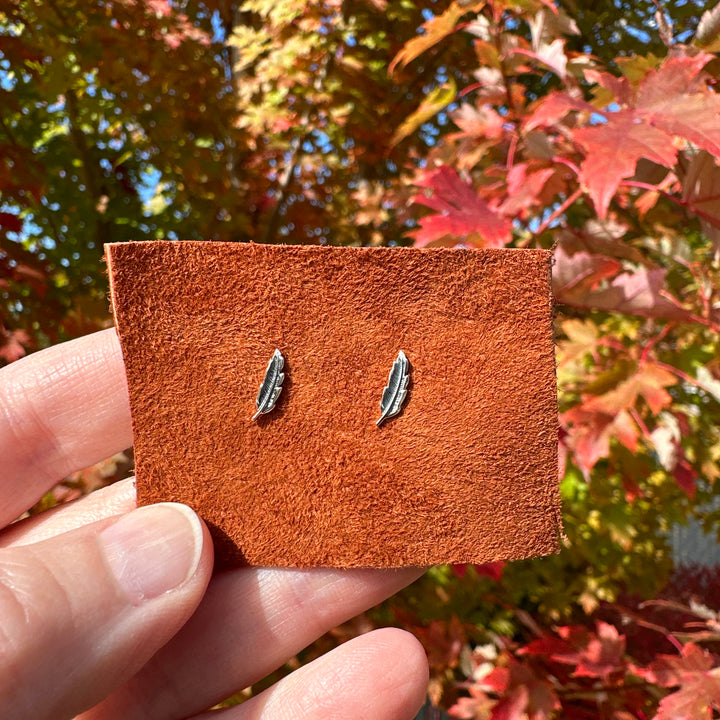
279	12
582	339
636	67
438	99
435	29
250	45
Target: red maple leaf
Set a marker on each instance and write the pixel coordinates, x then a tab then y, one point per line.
649	382
678	74
553	108
478	705
512	706
598	418
613	150
525	696
596	655
671	102
524	187
697	677
461	212
573	276
589	430
694	117
639	293
478	122
603	654
577	282
552	646
618	86
675	99
674	670
497	680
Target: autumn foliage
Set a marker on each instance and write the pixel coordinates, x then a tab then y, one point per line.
382	122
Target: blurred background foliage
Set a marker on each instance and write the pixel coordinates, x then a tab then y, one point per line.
592	129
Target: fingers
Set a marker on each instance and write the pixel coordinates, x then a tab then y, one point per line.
116	499
252	618
82	612
382	675
61	409
249	623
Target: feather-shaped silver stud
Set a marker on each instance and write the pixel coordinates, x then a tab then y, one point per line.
271	385
395	391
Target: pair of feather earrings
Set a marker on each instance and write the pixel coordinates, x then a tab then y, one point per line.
390	405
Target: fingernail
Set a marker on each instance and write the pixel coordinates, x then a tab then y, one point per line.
153	550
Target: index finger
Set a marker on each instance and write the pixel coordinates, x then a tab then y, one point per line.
61	409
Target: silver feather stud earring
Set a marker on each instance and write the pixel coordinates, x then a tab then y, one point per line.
271	385
395	391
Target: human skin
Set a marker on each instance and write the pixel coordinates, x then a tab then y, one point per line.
108	611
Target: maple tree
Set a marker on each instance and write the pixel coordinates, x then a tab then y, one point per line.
594	131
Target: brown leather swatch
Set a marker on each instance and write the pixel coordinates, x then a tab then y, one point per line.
467	472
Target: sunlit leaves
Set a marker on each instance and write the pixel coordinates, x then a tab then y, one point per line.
459	212
595	281
582	340
697	679
278	12
433	31
612	151
668	103
435	101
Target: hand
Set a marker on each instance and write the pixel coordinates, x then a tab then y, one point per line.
107	611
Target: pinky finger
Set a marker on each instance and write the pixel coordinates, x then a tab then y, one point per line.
381	675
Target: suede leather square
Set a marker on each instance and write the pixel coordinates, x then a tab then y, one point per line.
467	472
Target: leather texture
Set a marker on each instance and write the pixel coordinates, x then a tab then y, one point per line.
467	472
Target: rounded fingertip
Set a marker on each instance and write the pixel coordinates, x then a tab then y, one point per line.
382	674
154	550
409	675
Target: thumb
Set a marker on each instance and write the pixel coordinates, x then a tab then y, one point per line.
82	612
